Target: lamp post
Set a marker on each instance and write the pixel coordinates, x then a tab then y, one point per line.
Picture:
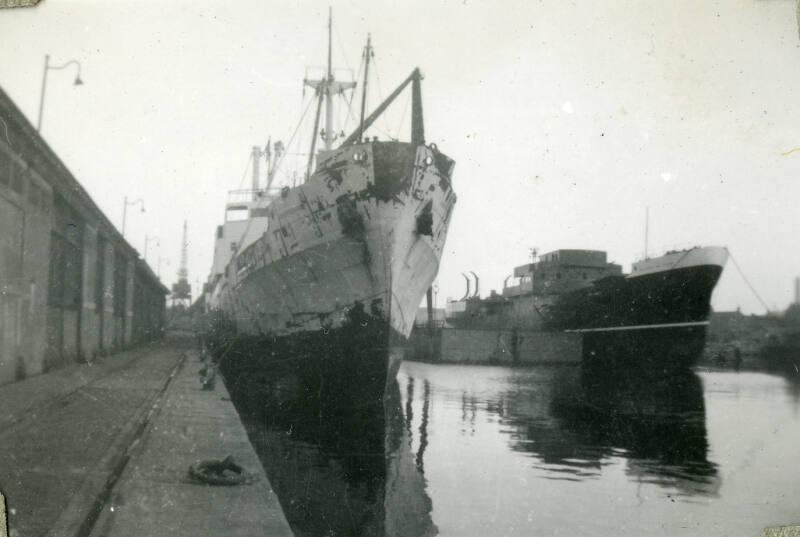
125	206
48	67
147	240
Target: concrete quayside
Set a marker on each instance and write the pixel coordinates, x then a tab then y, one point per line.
129	427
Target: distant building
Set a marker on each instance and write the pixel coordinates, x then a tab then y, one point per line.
70	285
422	315
797	280
750	333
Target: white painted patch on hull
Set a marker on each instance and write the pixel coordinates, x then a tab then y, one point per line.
307	270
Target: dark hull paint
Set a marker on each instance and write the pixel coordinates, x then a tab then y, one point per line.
667	297
332	439
648	302
350	365
663	350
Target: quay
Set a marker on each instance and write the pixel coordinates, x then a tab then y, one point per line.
104	449
102	415
496	346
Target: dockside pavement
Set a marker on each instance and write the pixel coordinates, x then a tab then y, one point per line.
104	449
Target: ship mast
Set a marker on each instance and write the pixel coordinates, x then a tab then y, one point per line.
328	95
325	89
646	231
273	160
256	157
367	54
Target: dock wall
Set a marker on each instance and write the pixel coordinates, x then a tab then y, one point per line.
494	346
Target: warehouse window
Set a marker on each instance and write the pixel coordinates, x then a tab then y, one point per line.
100	273
66	257
45	201
120	279
11	232
5	169
72	275
33	195
55	292
17	179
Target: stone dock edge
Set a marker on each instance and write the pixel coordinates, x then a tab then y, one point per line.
142	487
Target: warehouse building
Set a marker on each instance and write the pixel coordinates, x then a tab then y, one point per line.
71	287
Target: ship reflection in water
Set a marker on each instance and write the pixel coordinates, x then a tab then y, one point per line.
338	466
564	450
574	420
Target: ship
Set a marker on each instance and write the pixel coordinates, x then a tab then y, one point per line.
663	299
326	276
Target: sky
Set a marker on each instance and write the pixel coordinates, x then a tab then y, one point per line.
567	120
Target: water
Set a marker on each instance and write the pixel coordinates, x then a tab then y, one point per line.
712	453
561	450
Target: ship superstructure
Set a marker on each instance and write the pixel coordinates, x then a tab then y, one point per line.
579	290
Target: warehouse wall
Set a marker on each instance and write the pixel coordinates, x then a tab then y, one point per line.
67	276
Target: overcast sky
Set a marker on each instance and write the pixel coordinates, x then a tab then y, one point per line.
566	119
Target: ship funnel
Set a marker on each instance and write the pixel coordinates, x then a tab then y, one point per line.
466	295
477	285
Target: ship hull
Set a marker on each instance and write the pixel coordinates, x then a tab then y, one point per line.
654	318
654	298
657	315
356	455
664	349
679	296
333	284
349	365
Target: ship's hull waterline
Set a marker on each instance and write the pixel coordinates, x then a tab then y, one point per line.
337	277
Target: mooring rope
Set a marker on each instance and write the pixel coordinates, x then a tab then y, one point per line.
750	285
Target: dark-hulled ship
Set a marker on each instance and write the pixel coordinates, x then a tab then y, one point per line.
328	275
663	298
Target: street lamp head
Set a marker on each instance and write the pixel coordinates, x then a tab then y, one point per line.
78	81
125	206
